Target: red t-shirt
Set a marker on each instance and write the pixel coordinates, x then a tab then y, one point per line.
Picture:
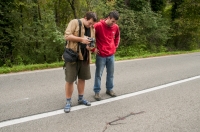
107	38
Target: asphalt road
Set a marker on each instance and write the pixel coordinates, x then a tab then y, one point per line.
159	94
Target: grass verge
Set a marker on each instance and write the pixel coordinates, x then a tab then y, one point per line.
20	68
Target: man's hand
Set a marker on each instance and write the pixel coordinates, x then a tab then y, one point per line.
85	40
89	48
96	51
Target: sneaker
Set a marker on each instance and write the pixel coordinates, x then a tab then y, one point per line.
111	93
97	97
85	102
67	107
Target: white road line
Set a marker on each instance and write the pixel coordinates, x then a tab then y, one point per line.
19	100
53	113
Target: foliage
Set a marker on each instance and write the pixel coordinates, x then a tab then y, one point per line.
186	26
175	7
31	31
137	5
102	7
36	38
158	5
7	22
148	31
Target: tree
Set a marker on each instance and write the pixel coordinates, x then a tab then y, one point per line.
39	40
142	30
7	37
175	7
137	5
186	26
158	5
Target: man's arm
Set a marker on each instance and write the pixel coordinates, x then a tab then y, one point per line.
95	50
117	38
69	34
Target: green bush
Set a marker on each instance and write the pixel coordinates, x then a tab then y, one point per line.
144	30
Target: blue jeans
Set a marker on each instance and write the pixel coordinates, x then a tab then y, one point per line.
101	62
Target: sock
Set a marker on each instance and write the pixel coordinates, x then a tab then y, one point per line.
68	99
80	97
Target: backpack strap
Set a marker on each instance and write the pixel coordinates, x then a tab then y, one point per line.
80	24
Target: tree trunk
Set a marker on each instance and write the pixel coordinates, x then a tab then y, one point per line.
39	13
57	13
73	7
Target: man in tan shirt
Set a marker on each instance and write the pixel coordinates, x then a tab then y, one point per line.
81	68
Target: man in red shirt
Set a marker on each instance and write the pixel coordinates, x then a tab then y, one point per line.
107	40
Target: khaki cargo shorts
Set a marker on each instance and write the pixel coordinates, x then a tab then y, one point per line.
80	68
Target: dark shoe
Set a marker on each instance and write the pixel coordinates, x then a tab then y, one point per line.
111	93
97	97
85	102
67	107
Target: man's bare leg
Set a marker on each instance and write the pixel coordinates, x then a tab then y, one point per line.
81	87
69	88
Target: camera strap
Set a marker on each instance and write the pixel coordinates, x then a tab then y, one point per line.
80	24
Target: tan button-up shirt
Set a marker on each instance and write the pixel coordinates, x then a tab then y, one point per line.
73	29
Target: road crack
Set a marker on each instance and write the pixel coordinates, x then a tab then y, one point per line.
120	118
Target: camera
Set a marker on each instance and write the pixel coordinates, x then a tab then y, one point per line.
92	42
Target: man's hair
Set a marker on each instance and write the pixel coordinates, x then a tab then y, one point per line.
91	15
113	14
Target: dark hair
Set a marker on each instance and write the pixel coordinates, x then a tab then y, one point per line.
114	14
91	15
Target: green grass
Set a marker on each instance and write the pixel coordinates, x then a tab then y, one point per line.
155	55
20	68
